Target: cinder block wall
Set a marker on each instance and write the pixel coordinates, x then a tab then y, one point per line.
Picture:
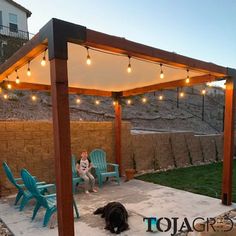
167	150
30	145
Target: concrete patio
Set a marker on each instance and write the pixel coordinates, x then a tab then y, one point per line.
140	198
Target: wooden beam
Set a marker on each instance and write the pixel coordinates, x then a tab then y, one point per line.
228	141
123	46
30	50
118	119
44	87
168	85
62	148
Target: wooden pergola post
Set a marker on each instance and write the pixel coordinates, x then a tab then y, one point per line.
228	141
62	148
118	119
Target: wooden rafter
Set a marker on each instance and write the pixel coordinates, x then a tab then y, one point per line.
167	85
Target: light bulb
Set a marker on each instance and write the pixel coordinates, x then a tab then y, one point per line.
9	86
129	69
181	94
114	103
188	78
161	73
34	98
28	72
88	61
209	84
97	102
144	100
161	97
203	91
43	62
78	101
129	101
5	96
17	80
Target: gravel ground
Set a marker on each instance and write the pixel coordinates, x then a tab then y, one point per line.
154	114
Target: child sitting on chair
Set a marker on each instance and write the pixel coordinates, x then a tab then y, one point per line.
83	166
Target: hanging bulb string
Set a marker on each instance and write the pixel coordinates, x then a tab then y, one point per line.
88	60
136	58
188	78
129	68
161	72
43	62
28	69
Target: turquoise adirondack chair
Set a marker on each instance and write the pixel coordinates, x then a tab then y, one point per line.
75	178
22	192
46	201
98	159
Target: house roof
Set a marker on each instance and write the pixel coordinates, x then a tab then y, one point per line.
28	13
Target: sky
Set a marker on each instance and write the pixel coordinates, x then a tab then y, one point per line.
202	29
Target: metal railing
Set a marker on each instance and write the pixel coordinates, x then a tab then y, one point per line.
15	33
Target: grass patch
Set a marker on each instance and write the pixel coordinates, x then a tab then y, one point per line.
205	179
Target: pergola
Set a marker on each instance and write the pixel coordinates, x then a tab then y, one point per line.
67	46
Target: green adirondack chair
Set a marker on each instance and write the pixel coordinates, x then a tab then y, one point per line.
46	201
22	192
98	159
75	177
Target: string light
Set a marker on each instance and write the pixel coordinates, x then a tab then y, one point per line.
88	61
9	86
181	94
5	96
160	97
28	70
43	62
34	98
144	100
210	84
114	103
78	100
17	77
129	69
161	73
129	101
97	102
188	78
203	91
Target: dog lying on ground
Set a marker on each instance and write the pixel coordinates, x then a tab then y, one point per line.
116	217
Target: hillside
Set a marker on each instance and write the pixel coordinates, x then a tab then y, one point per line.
154	114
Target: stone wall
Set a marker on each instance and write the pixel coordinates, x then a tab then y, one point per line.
170	150
30	145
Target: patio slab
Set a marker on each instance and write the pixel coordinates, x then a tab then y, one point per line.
141	199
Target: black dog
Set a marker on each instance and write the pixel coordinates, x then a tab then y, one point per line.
115	215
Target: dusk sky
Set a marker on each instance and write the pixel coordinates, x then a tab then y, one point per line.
203	29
